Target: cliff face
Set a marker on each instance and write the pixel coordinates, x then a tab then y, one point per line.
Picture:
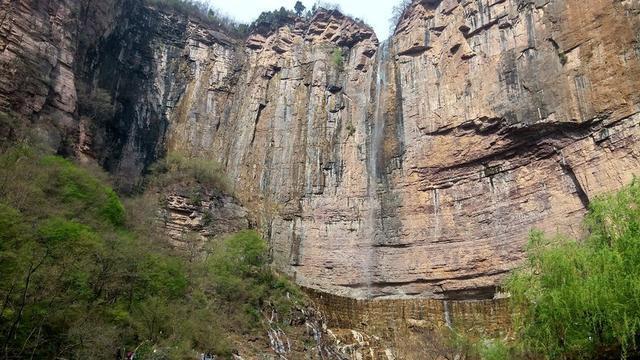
292	135
41	43
418	166
146	63
411	167
515	115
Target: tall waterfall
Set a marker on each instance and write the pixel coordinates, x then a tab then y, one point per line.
375	166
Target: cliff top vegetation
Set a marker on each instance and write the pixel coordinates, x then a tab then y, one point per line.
201	11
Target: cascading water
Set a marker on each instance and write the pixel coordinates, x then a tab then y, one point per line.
447	315
375	166
377	123
278	339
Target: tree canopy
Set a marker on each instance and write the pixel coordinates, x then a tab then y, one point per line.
85	275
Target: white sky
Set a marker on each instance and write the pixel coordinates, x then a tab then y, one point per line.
374	12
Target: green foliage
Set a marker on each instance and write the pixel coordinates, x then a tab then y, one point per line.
113	209
242	254
473	344
163	276
240	271
494	350
79	190
10	128
49	185
201	11
66	235
79	278
337	58
177	168
350	129
563	58
270	21
580	299
299	8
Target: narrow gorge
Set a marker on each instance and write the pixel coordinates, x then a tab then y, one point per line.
396	181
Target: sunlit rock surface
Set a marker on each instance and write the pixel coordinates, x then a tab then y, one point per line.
408	168
417	166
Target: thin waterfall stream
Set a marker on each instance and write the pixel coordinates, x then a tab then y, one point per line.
375	166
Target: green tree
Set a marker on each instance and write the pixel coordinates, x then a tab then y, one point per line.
337	58
81	274
579	299
299	8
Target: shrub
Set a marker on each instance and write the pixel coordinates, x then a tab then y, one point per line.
78	279
239	266
337	58
397	14
176	168
79	190
563	58
68	236
142	215
200	10
113	209
163	276
95	103
10	128
269	21
350	129
491	349
579	299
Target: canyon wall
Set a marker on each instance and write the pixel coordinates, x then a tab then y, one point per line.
417	166
413	167
394	179
42	44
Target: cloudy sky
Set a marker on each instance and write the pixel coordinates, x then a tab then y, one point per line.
375	12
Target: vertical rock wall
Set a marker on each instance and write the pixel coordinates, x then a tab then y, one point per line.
413	167
150	64
293	134
416	167
516	114
41	43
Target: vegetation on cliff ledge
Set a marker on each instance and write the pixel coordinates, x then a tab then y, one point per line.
82	278
177	168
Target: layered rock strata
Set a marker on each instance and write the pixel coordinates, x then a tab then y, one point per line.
413	167
190	217
415	328
417	167
42	44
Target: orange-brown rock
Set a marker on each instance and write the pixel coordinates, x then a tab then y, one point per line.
411	168
190	216
417	168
